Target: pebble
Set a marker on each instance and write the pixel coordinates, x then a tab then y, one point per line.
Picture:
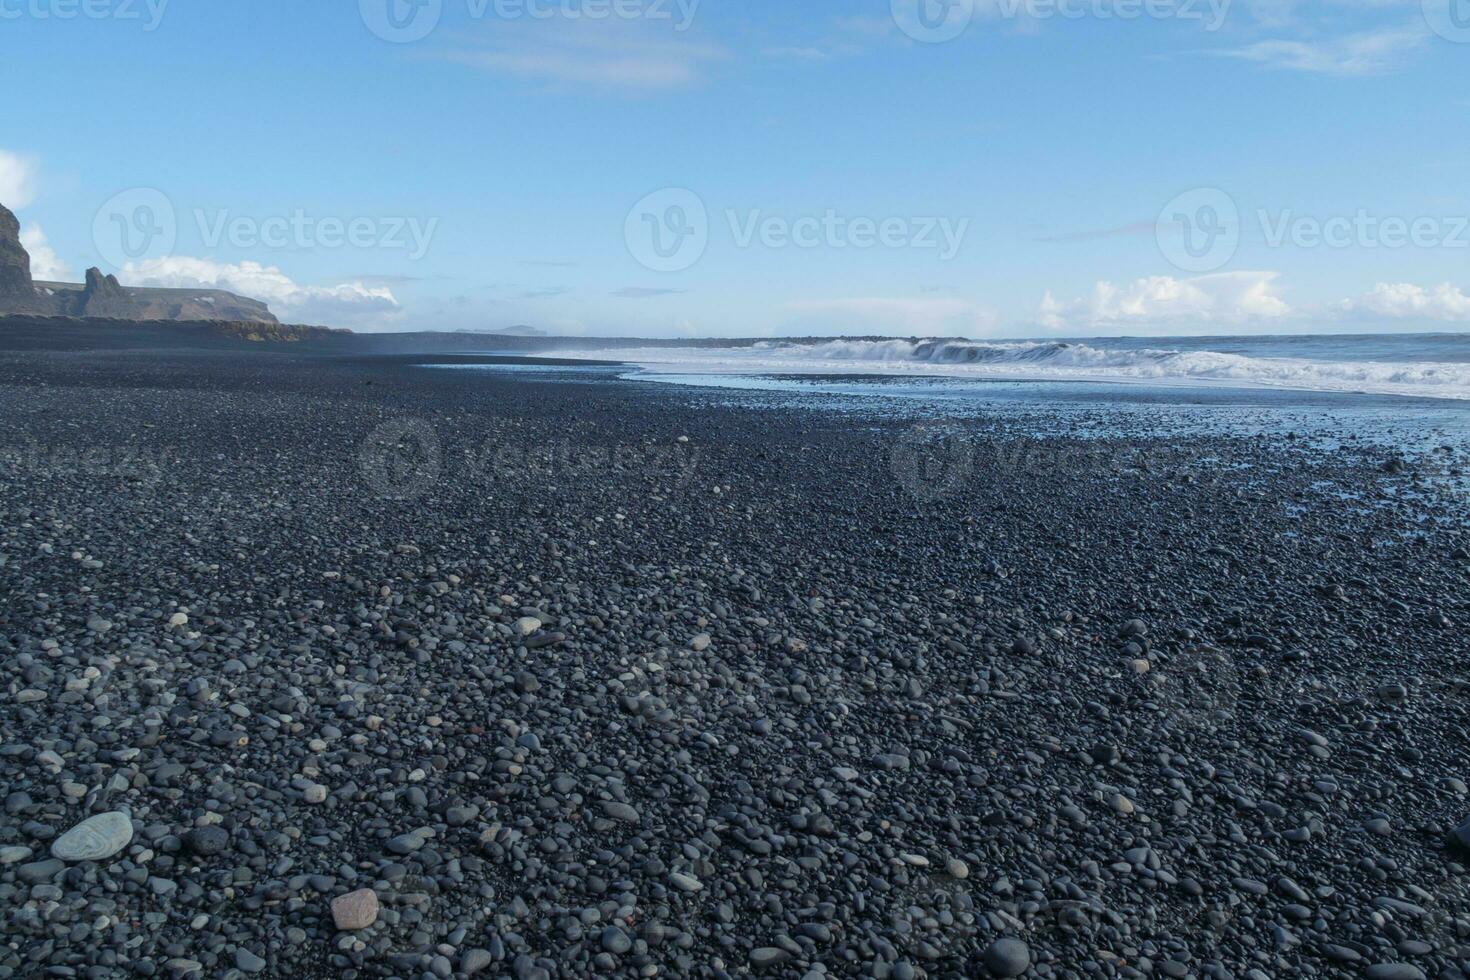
621	811
405	844
475	961
684	882
95	839
355	910
39	871
207	841
1007	957
765	956
1394	971
248	961
1462	835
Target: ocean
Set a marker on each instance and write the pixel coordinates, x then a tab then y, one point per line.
1408	395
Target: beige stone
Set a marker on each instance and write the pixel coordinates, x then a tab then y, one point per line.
355	910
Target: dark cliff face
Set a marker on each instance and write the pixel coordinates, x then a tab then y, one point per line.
103	296
15	262
100	287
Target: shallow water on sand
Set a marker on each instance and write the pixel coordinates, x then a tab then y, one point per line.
1410	425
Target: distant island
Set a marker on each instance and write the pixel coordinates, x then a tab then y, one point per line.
102	296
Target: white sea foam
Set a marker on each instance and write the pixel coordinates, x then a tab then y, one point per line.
1051	361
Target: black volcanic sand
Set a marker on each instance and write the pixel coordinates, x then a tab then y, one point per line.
812	693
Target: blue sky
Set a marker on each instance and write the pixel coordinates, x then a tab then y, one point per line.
1071	167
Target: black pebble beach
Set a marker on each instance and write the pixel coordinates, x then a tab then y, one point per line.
586	677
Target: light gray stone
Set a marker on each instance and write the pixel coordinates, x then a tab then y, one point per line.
96	838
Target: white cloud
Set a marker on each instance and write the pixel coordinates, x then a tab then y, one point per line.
17	180
889	315
1272	13
1367	53
810	52
843	37
591	55
45	265
1224	297
1404	300
344	304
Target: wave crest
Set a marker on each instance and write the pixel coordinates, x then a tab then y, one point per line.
1054	361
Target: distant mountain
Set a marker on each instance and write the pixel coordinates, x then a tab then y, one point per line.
102	296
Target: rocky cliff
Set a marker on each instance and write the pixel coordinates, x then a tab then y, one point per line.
102	296
15	263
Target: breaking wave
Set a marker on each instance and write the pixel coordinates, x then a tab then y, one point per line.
1054	361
